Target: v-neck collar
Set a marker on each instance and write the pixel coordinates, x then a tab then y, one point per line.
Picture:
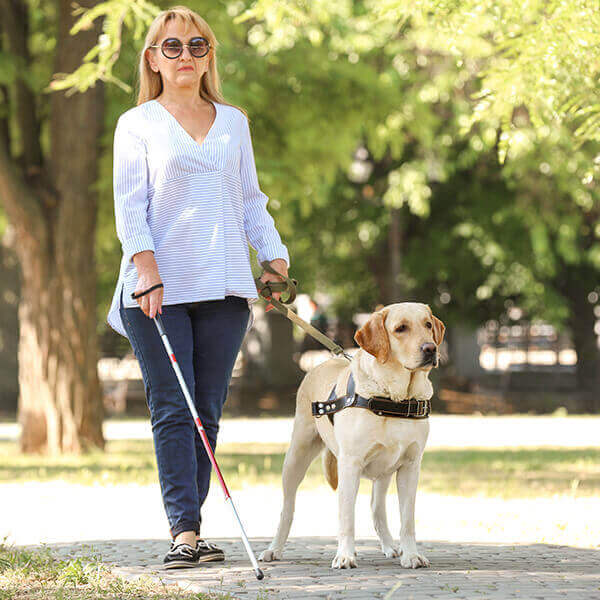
215	104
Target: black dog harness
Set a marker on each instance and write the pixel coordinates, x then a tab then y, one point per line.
407	409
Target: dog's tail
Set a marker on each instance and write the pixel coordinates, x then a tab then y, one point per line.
330	468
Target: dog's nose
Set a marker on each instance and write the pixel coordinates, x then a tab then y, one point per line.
428	349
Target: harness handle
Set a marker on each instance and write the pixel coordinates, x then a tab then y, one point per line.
266	289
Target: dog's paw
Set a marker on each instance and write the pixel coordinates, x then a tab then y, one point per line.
413	560
390	551
343	561
269	555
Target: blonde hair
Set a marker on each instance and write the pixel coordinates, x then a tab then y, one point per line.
150	84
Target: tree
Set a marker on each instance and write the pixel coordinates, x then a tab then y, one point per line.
48	157
544	55
529	76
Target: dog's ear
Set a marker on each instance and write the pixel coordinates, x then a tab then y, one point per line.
438	330
438	327
373	337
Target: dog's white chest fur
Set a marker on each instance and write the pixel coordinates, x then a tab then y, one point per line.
381	444
400	443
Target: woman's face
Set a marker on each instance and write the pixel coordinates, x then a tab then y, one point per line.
184	71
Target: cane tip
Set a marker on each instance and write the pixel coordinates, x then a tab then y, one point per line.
259	574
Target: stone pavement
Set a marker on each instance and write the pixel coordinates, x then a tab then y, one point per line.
466	570
479	548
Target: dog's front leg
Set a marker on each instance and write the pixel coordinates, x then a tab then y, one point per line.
349	479
407	478
378	511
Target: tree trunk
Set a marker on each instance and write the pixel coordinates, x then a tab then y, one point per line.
395	257
53	211
280	369
10	284
582	322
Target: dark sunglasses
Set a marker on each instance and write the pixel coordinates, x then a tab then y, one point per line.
172	47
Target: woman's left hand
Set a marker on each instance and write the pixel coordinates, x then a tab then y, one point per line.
280	265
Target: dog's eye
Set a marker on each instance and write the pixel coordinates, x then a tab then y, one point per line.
400	328
429	324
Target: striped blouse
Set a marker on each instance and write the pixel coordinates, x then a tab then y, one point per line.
196	206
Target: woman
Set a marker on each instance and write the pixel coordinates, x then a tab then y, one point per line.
187	201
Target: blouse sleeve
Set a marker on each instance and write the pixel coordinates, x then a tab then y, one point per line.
130	187
258	223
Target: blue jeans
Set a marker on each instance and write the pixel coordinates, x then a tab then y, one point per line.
206	338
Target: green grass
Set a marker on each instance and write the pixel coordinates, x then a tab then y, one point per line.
39	574
505	473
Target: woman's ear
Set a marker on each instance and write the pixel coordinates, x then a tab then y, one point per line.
150	60
373	337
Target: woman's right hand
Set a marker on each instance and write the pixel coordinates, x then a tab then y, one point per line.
148	276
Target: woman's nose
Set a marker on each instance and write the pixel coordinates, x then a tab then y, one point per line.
186	49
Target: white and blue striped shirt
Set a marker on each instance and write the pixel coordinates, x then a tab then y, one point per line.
196	206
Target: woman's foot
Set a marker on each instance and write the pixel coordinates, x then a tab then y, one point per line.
181	555
208	552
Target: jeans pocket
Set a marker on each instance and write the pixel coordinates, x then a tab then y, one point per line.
238	301
137	350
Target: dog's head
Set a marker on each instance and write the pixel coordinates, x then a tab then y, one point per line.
406	332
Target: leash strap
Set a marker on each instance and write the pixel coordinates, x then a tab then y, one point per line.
158	285
266	290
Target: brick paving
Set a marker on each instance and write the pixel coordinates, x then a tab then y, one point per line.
465	570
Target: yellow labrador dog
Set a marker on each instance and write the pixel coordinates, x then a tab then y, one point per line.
398	347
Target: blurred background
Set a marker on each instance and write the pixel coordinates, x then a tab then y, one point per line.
408	155
444	153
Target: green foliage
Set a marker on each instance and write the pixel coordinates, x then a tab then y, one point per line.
8	69
544	54
424	98
98	63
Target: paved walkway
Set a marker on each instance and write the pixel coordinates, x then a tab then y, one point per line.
479	548
469	571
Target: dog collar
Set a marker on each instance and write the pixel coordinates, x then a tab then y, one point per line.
410	408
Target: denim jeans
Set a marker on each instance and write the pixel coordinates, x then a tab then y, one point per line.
206	338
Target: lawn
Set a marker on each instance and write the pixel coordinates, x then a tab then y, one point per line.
505	473
39	575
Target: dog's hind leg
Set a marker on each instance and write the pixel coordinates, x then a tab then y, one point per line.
378	510
304	447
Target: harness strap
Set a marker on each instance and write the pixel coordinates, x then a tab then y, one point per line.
410	408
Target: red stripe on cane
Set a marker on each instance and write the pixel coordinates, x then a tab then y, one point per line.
211	457
173	359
